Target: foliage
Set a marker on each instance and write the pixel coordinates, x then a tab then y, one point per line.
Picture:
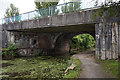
43	9
75	6
10	12
11	51
37	53
82	41
38	67
110	66
107	10
44	4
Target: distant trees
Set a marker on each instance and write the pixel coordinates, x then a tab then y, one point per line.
40	5
10	12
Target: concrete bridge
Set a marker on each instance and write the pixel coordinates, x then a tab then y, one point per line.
53	34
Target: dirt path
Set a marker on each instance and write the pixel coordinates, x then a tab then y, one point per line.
90	69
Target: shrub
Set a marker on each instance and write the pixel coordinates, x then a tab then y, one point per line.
82	41
11	51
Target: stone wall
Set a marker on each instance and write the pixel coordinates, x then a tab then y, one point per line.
29	43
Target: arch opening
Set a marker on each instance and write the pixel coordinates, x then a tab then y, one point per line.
82	42
70	41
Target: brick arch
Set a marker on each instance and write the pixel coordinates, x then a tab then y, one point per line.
62	44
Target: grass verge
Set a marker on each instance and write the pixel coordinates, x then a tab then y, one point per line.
39	67
110	66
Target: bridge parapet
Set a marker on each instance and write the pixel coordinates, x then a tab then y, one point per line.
74	18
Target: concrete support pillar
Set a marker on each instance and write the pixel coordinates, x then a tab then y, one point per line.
119	42
107	43
119	51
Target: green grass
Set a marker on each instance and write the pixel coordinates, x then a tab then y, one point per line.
110	66
76	71
39	67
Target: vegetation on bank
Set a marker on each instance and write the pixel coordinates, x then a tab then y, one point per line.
110	66
76	71
10	52
40	67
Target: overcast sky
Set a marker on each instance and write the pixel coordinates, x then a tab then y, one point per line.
28	5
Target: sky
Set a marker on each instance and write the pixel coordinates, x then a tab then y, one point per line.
28	5
22	5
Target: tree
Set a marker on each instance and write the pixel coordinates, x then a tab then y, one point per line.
43	10
12	13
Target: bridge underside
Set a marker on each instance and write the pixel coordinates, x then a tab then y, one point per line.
67	28
53	40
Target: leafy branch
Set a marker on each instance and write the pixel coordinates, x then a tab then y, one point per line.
107	10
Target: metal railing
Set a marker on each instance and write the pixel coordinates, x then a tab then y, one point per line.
44	12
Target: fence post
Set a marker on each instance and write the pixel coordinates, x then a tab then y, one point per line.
7	20
49	12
